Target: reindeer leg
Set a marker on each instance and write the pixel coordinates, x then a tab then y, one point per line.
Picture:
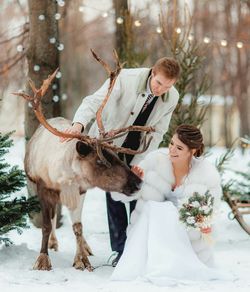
48	199
82	249
53	242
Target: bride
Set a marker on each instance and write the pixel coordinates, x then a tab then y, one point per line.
159	248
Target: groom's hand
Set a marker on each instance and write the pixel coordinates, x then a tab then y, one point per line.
75	129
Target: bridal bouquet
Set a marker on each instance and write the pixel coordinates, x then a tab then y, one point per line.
197	211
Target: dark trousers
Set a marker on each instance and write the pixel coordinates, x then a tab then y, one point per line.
117	215
118	222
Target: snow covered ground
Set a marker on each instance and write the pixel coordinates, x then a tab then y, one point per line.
232	251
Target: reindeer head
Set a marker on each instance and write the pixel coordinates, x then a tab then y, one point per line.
112	175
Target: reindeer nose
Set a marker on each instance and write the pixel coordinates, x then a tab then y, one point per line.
133	185
138	185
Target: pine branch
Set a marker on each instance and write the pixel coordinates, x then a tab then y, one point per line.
5	143
13	215
11	181
223	160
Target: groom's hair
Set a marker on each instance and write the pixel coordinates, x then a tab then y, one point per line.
191	136
169	67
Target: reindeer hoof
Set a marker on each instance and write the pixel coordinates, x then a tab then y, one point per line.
82	263
87	249
43	263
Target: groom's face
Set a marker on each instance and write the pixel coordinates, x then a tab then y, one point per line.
159	84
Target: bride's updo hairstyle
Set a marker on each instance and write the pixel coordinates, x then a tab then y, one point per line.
192	137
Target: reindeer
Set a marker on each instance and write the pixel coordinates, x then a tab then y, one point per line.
63	172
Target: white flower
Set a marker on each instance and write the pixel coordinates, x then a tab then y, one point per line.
195	204
205	209
190	220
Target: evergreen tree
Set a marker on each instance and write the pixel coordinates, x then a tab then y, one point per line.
240	186
237	188
193	82
12	211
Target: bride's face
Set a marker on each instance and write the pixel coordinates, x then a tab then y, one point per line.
178	151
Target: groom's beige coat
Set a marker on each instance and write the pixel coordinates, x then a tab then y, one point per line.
125	102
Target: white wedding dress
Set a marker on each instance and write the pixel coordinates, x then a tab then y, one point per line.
158	250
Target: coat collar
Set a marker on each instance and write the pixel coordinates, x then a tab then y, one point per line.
142	83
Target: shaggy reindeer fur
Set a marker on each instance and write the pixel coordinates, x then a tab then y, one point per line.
63	172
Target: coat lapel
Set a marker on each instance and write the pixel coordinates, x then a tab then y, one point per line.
141	95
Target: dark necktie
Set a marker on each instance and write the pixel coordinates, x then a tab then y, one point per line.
147	102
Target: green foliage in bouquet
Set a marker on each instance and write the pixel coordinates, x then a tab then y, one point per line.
197	211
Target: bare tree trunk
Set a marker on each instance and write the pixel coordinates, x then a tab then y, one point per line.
121	11
74	82
241	96
241	90
43	59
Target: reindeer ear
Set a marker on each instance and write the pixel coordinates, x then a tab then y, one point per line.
83	149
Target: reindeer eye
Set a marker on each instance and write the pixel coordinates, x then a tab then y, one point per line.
103	163
100	162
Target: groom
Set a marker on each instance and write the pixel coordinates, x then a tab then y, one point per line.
145	97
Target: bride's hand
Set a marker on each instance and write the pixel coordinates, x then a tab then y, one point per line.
206	230
137	170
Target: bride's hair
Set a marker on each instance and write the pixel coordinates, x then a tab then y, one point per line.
192	137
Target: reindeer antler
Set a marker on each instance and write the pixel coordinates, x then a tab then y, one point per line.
104	140
36	105
113	74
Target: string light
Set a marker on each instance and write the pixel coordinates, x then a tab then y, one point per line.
64	96
81	8
137	23
105	14
239	45
54	86
36	68
55	98
58	75
60	47
206	40
178	30
52	40
158	29
119	20
223	43
57	16
19	48
41	17
60	3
